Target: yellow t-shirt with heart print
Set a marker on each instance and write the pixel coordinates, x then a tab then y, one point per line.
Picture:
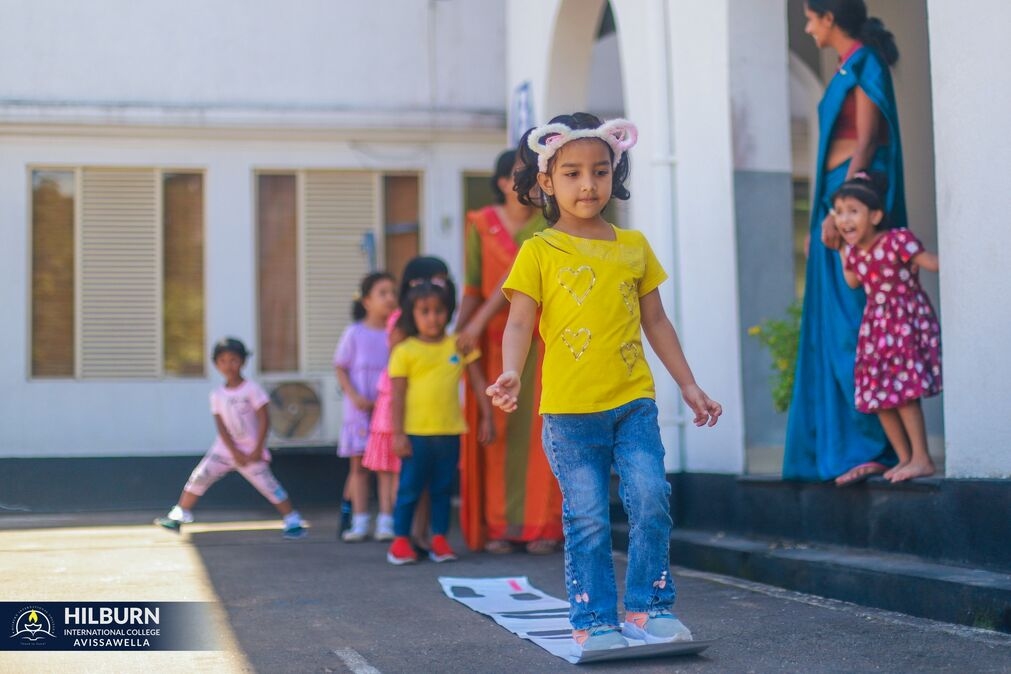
589	291
433	371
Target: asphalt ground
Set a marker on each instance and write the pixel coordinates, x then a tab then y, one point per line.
319	605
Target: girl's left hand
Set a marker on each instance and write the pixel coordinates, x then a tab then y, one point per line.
707	411
363	403
467	338
401	445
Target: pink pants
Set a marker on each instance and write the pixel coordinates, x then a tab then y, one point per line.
215	466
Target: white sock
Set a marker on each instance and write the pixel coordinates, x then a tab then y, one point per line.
292	519
360	523
180	515
384	522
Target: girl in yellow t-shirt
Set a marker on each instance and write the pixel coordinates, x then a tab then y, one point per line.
596	287
425	371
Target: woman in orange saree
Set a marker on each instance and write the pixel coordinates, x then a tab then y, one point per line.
508	493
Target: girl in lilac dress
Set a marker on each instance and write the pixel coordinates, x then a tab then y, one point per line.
359	361
898	358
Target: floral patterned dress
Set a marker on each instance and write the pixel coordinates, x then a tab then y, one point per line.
899	348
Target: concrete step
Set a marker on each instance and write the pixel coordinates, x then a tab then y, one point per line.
896	582
948	521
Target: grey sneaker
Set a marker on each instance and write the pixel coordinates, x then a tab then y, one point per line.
657	628
168	523
355	535
600	638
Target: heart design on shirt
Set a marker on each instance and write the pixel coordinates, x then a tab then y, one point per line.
578	282
578	341
629	354
628	296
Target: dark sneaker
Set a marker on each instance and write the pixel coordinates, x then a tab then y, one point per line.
600	638
295	531
441	552
657	628
170	524
401	552
345	517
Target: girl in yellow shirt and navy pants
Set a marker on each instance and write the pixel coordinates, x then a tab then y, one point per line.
597	289
425	371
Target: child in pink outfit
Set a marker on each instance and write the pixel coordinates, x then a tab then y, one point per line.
240	414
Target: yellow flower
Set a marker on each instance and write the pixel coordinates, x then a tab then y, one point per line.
755	330
782	364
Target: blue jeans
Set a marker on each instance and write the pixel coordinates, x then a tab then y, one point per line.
581	449
432	465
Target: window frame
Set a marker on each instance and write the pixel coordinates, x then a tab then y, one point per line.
78	169
378	230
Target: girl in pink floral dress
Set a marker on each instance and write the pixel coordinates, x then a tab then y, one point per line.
898	357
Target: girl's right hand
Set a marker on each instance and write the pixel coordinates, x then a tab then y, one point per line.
505	391
401	445
829	233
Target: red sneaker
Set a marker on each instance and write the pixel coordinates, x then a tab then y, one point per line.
401	551
441	552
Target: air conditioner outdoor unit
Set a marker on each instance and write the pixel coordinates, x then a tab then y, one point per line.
301	413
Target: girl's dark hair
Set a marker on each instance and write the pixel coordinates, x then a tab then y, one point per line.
868	189
420	291
364	288
503	169
424	268
851	17
525	178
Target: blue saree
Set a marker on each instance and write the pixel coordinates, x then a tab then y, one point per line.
825	435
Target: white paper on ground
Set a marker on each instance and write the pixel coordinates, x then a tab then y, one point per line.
527	612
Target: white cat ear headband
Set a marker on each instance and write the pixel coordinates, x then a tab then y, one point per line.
619	134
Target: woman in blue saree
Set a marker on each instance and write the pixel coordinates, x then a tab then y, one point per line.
826	437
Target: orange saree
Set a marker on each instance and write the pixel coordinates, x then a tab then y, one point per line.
507	489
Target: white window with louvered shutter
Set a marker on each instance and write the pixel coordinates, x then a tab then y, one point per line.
339	209
119	275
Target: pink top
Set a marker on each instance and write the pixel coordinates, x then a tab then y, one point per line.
237	408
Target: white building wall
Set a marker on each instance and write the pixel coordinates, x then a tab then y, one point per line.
972	140
394	54
58	418
226	87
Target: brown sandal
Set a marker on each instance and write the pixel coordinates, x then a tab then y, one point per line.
498	547
541	547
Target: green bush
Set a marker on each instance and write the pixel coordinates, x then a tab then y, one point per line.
781	337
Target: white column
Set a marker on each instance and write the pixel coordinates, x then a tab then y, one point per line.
759	85
972	140
529	27
705	238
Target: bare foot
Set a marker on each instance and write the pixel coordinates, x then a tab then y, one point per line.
860	473
914	469
891	471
